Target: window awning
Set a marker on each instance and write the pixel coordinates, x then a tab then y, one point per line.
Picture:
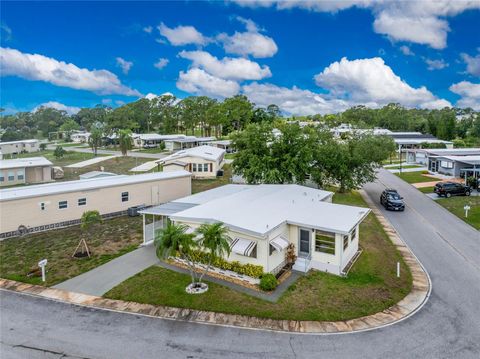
242	246
279	243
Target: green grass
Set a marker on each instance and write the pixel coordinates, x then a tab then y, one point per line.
415	177
426	189
151	150
200	185
456	204
69	158
371	285
113	238
229	156
403	167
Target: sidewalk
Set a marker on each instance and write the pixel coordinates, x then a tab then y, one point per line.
100	280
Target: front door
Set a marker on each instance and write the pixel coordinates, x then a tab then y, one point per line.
433	166
304	243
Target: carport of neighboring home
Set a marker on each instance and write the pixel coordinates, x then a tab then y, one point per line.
264	219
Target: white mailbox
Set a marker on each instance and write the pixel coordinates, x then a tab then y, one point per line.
42	265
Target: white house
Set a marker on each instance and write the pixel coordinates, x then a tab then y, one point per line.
180	143
15	147
80	137
152	140
264	219
203	161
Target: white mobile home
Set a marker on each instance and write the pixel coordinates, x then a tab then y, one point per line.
16	147
177	144
25	170
264	219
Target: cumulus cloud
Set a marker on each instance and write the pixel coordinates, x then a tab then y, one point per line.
469	92
227	68
406	50
251	42
161	63
182	35
435	64
200	82
372	81
473	64
41	68
148	29
124	65
422	22
71	110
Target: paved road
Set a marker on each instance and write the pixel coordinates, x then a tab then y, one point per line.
447	327
112	152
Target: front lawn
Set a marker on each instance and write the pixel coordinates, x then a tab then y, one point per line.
415	177
69	158
456	204
20	255
403	167
426	189
370	287
200	185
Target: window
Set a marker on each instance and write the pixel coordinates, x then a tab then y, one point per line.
11	176
2	177
325	242
20	175
200	167
446	164
124	196
194	167
271	249
254	252
42	206
354	234
345	242
82	201
205	167
62	204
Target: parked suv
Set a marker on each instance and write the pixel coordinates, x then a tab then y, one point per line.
390	199
449	189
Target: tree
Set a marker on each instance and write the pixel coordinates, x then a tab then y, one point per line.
88	222
68	127
95	139
125	141
215	240
59	152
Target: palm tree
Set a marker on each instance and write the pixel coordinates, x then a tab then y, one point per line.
89	220
214	239
125	141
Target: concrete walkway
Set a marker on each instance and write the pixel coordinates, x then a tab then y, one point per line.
144	167
91	161
100	280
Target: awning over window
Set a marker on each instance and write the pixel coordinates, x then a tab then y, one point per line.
242	246
279	243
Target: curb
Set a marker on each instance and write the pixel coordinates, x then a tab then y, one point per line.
407	307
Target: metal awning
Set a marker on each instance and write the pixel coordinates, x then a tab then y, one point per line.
167	209
241	246
279	243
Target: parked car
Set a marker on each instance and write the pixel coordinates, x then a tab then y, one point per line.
390	199
449	189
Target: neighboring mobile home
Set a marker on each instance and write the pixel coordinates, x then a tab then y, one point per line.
180	143
203	161
264	219
54	205
16	147
25	170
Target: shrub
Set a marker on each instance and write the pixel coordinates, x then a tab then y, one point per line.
268	282
59	152
43	146
425	172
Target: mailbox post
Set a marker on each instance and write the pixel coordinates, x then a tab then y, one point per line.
466	208
42	265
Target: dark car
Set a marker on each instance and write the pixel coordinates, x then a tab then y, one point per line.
390	199
449	189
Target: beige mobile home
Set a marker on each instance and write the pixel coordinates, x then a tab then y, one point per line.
203	161
25	170
264	219
53	205
15	147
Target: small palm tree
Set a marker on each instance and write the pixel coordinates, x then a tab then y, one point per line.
215	240
89	220
125	141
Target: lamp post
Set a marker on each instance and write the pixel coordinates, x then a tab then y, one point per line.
400	155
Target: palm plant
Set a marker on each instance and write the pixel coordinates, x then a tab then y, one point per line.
125	141
215	240
89	220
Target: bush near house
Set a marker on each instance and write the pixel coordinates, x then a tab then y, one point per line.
268	282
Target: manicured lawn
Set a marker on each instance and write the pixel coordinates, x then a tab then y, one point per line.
415	177
113	238
371	285
151	150
426	189
118	165
403	167
69	158
456	204
200	185
230	156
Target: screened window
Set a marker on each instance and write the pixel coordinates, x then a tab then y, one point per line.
200	167
354	234
205	167
62	204
2	177
194	167
11	176
82	201
325	242
20	175
124	196
254	252
345	242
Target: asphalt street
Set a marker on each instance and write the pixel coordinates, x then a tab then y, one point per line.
448	326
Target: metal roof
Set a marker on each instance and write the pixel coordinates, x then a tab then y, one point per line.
167	209
21	141
206	152
24	162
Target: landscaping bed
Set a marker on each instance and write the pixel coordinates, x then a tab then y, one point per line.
456	204
20	255
370	287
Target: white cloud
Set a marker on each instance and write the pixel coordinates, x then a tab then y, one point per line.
372	81
227	68
473	64
71	110
406	50
422	22
182	35
251	42
119	102
124	65
148	29
435	64
41	68
469	92
199	82
106	101
161	63
6	32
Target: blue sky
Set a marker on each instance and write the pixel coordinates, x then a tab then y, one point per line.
307	57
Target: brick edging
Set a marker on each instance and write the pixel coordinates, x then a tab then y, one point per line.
405	308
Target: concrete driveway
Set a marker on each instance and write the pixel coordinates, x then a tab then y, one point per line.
448	326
